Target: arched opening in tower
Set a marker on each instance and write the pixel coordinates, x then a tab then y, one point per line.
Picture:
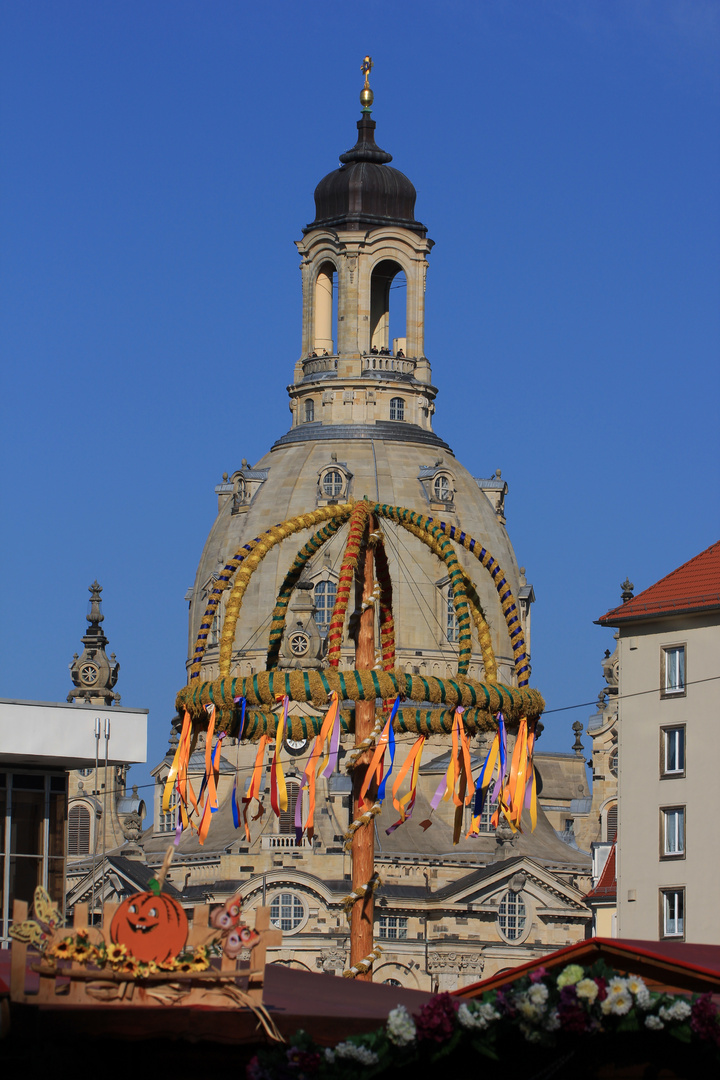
325	309
388	320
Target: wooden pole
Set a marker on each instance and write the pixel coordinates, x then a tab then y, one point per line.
363	844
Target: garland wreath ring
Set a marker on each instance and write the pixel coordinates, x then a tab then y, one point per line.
480	699
413	522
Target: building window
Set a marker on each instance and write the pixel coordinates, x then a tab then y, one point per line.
287	911
672	917
393	926
32	838
287	817
613	762
673	831
332	483
397	408
672	751
391	982
672	670
485	825
79	831
442	489
325	593
611	822
167	822
309	410
512	916
452	629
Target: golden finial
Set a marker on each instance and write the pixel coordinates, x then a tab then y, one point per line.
366	94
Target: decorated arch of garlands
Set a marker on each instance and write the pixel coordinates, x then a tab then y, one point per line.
383	701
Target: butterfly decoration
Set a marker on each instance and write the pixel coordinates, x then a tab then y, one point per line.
236	935
40	930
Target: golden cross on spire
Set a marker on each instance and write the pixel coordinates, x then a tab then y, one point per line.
366	94
366	68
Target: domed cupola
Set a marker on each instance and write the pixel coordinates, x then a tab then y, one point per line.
364	192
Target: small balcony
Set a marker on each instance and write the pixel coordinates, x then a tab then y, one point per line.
283	840
319	365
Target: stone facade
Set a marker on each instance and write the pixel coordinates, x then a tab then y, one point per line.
362	425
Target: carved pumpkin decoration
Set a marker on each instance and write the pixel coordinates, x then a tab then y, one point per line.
150	927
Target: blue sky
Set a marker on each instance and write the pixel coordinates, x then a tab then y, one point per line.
159	160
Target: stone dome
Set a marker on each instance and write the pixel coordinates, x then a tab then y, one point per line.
365	191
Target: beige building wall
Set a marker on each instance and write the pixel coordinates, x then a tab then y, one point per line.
646	789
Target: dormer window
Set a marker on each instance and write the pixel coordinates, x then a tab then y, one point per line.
397	408
442	489
309	411
332	483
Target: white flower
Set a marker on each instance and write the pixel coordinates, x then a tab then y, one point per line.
654	1023
679	1010
527	1009
329	1055
636	986
400	1027
538	994
616	985
618	1003
553	1021
478	1018
351	1052
644	1000
586	988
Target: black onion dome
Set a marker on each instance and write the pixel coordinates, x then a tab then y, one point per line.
364	191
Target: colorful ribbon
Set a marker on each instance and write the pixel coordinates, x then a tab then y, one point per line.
278	787
406	805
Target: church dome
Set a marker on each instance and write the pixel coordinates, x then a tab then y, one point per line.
365	191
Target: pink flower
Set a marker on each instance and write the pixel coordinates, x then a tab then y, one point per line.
704	1019
538	975
436	1021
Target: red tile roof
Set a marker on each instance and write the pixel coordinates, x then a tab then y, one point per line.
606	888
694	586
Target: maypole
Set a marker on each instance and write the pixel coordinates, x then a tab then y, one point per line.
363	841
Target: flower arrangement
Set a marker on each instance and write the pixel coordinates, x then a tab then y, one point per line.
77	947
530	1020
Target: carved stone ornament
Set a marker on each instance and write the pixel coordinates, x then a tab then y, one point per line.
456	962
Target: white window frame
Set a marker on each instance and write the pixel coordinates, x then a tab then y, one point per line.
673	836
393	927
323	626
397	408
672	739
672	913
287	901
512	910
673	674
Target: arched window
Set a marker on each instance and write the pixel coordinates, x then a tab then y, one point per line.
511	916
332	483
611	822
325	309
397	408
325	593
79	831
452	628
442	489
309	410
387	276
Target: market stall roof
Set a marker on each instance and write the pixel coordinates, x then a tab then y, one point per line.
665	965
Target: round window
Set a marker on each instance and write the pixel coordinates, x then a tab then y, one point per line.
287	911
299	644
332	483
512	916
